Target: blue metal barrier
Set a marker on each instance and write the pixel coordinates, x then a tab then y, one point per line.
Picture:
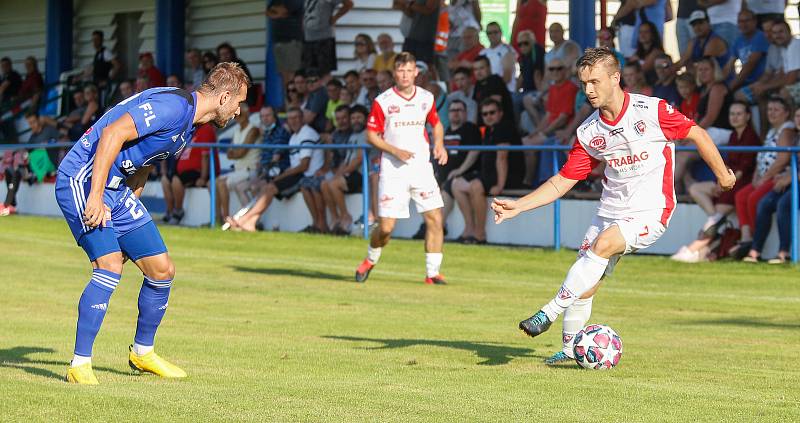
554	149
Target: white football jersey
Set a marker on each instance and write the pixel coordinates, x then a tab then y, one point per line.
639	153
402	122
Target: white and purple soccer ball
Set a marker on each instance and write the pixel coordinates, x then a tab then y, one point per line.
597	347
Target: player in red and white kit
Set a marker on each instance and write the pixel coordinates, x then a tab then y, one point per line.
396	126
633	134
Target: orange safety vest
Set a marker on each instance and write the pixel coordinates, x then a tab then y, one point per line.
442	32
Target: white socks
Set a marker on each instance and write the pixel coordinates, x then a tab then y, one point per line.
374	254
582	276
433	261
78	360
575	318
141	350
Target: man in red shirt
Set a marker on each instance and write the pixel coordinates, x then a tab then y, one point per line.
149	71
471	48
192	171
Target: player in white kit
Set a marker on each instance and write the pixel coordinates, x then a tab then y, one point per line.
396	126
633	134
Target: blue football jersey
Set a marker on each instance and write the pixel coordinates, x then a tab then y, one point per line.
163	118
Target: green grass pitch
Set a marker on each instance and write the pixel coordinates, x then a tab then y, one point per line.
270	327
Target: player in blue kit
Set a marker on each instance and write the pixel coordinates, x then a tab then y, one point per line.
98	187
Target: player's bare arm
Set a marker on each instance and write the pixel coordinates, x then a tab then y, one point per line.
708	151
439	152
377	141
114	136
550	191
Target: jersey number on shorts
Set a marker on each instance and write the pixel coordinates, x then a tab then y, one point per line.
131	204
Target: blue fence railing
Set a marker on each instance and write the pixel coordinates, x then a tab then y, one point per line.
553	149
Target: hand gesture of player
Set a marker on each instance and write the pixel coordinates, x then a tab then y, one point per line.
727	182
504	209
440	154
96	213
402	155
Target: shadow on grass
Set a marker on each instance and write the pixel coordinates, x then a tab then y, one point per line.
748	322
300	273
17	358
493	354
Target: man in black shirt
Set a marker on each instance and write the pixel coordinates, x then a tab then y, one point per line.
488	86
498	170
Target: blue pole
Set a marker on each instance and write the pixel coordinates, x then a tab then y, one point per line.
212	188
795	243
59	39
273	84
170	36
365	191
581	23
556	210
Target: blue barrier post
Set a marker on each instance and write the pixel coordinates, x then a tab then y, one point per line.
556	209
365	191
793	226
212	188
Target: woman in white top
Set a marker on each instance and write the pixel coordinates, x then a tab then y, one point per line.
365	52
245	164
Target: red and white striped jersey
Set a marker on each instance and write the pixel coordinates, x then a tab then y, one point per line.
402	122
639	153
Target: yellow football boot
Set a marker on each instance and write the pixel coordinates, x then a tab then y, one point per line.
152	363
83	375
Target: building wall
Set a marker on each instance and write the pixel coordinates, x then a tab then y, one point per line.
23	32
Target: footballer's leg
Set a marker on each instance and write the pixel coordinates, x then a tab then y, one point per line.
380	237
434	239
394	195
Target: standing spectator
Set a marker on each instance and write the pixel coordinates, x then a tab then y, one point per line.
750	48
245	163
464	92
704	44
303	162
384	61
565	50
286	26
424	15
192	171
498	170
501	56
105	66
149	72
462	14
719	204
723	17
634	79
489	85
365	52
767	10
385	80
196	74
10	81
626	20
33	84
347	177
769	164
665	87
317	102
319	45
531	63
470	49
334	90
682	27
648	47
531	16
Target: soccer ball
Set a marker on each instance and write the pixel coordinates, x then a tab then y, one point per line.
597	347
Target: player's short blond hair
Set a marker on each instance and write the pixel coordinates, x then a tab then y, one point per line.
226	76
599	55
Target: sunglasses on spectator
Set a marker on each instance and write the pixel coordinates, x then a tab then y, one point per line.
524	44
489	113
555	68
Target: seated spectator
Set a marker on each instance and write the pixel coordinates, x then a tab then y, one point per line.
464	92
340	136
779	200
304	163
33	84
191	171
174	81
489	85
634	79
334	90
346	177
352	84
370	90
364	53
665	86
471	48
687	88
150	72
384	61
718	205
245	163
769	164
605	38
316	102
293	97
273	162
704	44
209	61
498	170
648	48
124	90
195	74
501	56
461	14
10	81
567	51
559	109
90	114
226	53
750	48
385	80
531	63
